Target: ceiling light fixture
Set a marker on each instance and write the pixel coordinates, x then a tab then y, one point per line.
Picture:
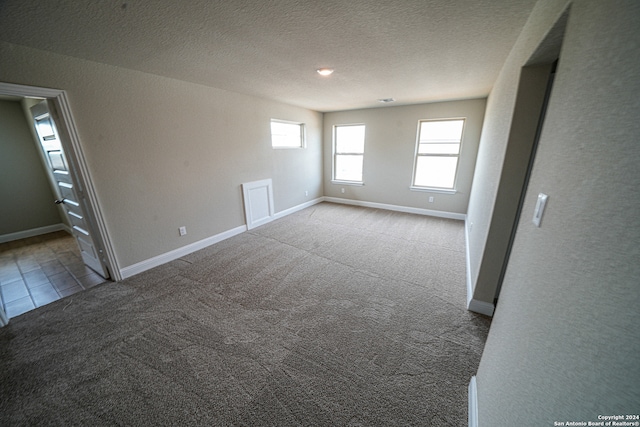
325	71
386	100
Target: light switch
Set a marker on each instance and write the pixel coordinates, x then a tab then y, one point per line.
537	214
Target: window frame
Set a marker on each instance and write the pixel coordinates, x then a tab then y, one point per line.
417	155
336	154
303	139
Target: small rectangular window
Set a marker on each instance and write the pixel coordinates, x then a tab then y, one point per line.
437	153
348	148
287	134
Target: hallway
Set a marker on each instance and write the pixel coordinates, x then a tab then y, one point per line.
39	270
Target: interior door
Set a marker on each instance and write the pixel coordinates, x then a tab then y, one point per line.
68	196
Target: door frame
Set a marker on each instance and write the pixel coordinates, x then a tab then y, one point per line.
80	174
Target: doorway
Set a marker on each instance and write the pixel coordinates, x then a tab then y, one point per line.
78	171
534	91
530	77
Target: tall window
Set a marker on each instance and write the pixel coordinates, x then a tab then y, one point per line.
286	134
348	149
437	153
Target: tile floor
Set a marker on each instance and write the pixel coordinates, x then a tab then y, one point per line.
40	270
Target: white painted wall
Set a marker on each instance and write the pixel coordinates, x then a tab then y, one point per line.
564	341
164	153
390	143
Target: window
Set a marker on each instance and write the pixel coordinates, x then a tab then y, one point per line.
437	153
348	149
286	134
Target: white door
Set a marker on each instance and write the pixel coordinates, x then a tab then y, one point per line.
67	195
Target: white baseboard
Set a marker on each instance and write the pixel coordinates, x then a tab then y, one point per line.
468	254
294	209
32	232
481	307
4	320
474	305
138	268
406	209
473	402
142	266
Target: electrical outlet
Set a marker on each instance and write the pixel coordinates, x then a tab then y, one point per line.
306	193
430	199
182	230
342	190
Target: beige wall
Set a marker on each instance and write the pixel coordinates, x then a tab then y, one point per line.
564	341
490	218
390	143
25	192
164	153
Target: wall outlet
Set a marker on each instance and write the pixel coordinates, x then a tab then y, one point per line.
342	190
306	193
182	230
430	199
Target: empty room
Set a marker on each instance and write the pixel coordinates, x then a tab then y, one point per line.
339	213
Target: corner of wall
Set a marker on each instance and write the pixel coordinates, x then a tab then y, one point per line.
474	305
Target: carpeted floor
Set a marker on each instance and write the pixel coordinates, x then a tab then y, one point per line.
332	316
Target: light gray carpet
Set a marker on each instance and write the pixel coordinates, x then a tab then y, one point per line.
332	316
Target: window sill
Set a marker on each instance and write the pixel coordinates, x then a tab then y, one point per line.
338	182
432	190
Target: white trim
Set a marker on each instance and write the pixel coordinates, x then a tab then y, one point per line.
468	254
297	208
250	208
4	320
481	307
335	153
339	182
32	232
406	209
473	402
417	154
474	305
75	155
433	190
22	91
303	134
150	263
94	216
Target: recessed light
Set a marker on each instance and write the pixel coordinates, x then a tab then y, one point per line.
386	100
325	71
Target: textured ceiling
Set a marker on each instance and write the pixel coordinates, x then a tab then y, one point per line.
411	50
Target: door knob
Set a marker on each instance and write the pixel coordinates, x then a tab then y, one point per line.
60	201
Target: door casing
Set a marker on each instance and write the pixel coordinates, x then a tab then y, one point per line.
71	200
73	149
